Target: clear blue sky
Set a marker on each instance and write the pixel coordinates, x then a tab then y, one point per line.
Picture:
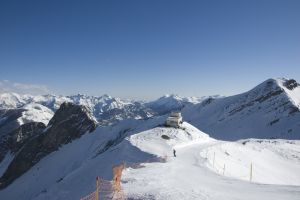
147	48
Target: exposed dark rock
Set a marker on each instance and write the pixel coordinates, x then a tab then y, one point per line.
273	122
207	101
69	122
16	139
259	99
165	137
291	84
8	120
269	95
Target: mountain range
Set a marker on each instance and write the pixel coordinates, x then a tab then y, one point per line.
34	127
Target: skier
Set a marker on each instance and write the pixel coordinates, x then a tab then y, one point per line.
174	152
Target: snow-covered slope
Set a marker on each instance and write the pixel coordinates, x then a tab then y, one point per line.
188	176
11	119
151	141
273	161
192	176
69	173
270	110
12	100
34	112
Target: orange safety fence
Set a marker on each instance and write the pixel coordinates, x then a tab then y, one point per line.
112	189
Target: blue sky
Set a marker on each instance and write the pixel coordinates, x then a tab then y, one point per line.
146	48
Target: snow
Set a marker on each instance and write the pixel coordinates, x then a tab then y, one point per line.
263	112
5	162
11	100
273	161
168	103
35	113
70	172
187	177
294	95
191	176
151	141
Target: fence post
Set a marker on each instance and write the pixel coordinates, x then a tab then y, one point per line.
214	159
97	187
251	172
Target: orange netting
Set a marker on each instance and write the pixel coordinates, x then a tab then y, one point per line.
112	189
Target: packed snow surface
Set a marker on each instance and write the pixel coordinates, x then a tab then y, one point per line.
273	161
70	172
194	175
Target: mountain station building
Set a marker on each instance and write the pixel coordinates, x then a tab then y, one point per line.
174	120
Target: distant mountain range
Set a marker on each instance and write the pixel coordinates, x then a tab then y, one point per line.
16	109
270	110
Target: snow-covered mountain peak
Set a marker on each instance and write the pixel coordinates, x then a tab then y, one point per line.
171	96
34	112
171	102
269	110
291	88
11	100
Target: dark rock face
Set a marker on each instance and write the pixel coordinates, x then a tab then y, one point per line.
207	101
291	84
8	120
69	122
14	140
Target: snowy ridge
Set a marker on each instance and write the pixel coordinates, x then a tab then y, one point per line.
293	93
270	110
12	100
151	141
35	113
106	109
167	103
267	111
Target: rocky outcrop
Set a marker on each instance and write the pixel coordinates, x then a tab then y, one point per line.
291	84
14	140
9	120
69	122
